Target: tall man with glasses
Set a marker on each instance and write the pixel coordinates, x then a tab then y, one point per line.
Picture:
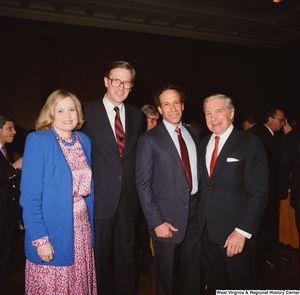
274	120
114	128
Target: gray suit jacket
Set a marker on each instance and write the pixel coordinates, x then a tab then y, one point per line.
161	181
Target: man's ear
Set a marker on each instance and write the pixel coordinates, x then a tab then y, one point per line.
105	81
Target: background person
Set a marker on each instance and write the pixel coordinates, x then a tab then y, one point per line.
152	115
9	193
274	120
250	124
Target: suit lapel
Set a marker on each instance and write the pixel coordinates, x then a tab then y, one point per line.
170	148
103	123
129	126
203	169
229	144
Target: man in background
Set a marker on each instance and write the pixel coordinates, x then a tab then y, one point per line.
274	120
250	124
152	115
9	194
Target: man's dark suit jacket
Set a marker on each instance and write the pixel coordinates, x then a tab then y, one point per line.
9	191
236	194
9	196
278	181
112	173
253	128
161	181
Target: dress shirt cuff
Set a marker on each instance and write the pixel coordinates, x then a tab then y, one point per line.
244	233
40	242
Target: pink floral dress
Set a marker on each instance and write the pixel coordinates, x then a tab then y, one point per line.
79	278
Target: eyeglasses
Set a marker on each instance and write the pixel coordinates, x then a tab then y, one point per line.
153	119
117	82
281	120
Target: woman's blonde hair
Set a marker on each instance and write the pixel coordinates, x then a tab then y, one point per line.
46	116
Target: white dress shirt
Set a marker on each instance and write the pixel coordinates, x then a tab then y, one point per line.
111	113
191	150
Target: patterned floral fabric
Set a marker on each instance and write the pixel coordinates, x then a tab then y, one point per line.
79	278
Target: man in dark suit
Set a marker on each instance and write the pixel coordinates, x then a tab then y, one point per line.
9	193
274	120
114	133
167	182
233	196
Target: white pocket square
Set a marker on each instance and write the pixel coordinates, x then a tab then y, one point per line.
232	160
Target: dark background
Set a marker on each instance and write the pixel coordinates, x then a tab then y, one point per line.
39	57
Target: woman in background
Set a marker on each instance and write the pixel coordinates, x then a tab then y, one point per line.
57	200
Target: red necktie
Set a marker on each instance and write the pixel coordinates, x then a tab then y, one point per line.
5	152
184	157
120	134
214	156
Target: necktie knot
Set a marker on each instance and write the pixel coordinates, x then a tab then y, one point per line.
178	130
217	138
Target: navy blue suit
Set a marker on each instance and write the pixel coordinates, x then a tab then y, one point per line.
116	198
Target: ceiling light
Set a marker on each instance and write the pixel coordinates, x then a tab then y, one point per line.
276	1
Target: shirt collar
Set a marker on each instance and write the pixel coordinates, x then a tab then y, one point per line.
226	134
271	131
109	106
171	128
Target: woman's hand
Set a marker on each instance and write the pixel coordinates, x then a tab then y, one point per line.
46	252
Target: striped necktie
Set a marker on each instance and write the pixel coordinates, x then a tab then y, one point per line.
119	130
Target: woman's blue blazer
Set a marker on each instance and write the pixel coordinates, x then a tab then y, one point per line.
47	198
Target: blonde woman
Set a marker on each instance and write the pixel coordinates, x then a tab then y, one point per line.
57	200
